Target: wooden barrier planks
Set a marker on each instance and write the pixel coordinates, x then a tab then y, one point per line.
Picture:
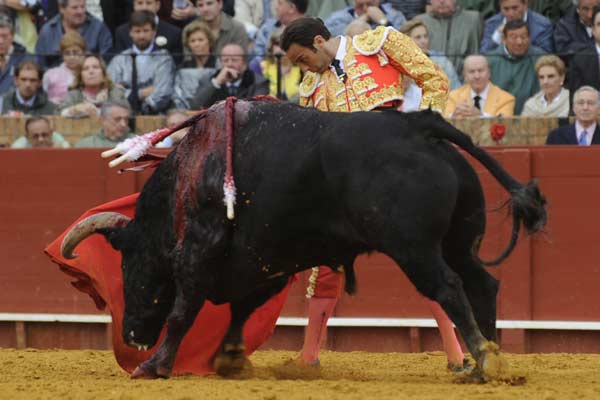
519	130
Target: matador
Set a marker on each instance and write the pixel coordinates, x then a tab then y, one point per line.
360	73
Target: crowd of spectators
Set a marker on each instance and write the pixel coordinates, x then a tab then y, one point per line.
102	58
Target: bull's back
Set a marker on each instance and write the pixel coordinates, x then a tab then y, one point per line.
390	172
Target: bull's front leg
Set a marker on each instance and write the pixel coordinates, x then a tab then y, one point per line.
231	357
185	309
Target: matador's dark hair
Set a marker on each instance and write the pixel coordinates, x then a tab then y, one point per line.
302	31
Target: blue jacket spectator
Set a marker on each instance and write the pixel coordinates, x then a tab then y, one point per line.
13	52
339	20
574	31
72	13
540	29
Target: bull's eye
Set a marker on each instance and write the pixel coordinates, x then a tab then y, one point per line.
155	301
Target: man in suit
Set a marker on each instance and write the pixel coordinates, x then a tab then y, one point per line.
585	130
584	68
167	36
540	27
478	97
233	79
145	71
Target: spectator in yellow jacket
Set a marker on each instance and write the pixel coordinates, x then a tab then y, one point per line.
479	97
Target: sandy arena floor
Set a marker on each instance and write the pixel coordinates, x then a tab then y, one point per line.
79	375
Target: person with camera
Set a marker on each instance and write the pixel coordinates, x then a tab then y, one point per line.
233	79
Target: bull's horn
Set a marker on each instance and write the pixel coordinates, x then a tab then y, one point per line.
89	226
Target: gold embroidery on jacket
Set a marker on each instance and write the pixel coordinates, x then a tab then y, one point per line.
370	42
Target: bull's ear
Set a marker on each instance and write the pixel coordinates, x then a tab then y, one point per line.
114	236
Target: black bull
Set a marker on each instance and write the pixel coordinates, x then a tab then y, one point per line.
313	189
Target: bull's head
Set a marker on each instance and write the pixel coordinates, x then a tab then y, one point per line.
149	289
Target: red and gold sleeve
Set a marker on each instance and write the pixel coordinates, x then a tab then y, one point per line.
406	56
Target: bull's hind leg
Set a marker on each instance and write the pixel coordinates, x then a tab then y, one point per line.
481	289
231	357
430	274
466	228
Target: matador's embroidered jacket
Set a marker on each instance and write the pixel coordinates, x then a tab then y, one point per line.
375	64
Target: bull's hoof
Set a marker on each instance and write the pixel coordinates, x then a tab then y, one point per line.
148	371
231	361
492	364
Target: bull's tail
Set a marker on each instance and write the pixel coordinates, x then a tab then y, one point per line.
526	203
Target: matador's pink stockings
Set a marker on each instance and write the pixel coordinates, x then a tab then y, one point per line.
321	308
450	341
319	311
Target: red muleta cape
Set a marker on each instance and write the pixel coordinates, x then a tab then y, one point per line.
97	271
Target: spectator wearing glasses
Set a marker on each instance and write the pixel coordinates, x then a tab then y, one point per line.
38	134
585	130
114	119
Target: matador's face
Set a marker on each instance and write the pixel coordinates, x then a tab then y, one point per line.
309	59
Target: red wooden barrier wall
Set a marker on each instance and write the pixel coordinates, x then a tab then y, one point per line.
549	277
